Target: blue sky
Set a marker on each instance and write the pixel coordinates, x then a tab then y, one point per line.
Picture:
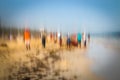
64	15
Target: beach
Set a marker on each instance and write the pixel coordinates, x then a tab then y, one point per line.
97	61
59	39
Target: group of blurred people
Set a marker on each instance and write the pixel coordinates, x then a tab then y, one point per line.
71	40
77	40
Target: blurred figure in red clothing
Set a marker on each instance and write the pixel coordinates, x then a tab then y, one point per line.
27	37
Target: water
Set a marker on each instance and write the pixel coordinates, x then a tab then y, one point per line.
105	53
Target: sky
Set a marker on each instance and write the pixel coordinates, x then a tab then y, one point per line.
94	16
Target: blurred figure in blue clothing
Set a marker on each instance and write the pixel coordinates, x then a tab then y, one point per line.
68	41
79	39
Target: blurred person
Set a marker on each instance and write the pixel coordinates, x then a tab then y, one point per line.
79	39
11	37
51	36
84	39
89	37
68	41
27	37
60	39
43	40
74	40
55	37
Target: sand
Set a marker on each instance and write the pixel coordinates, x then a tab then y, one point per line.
51	63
